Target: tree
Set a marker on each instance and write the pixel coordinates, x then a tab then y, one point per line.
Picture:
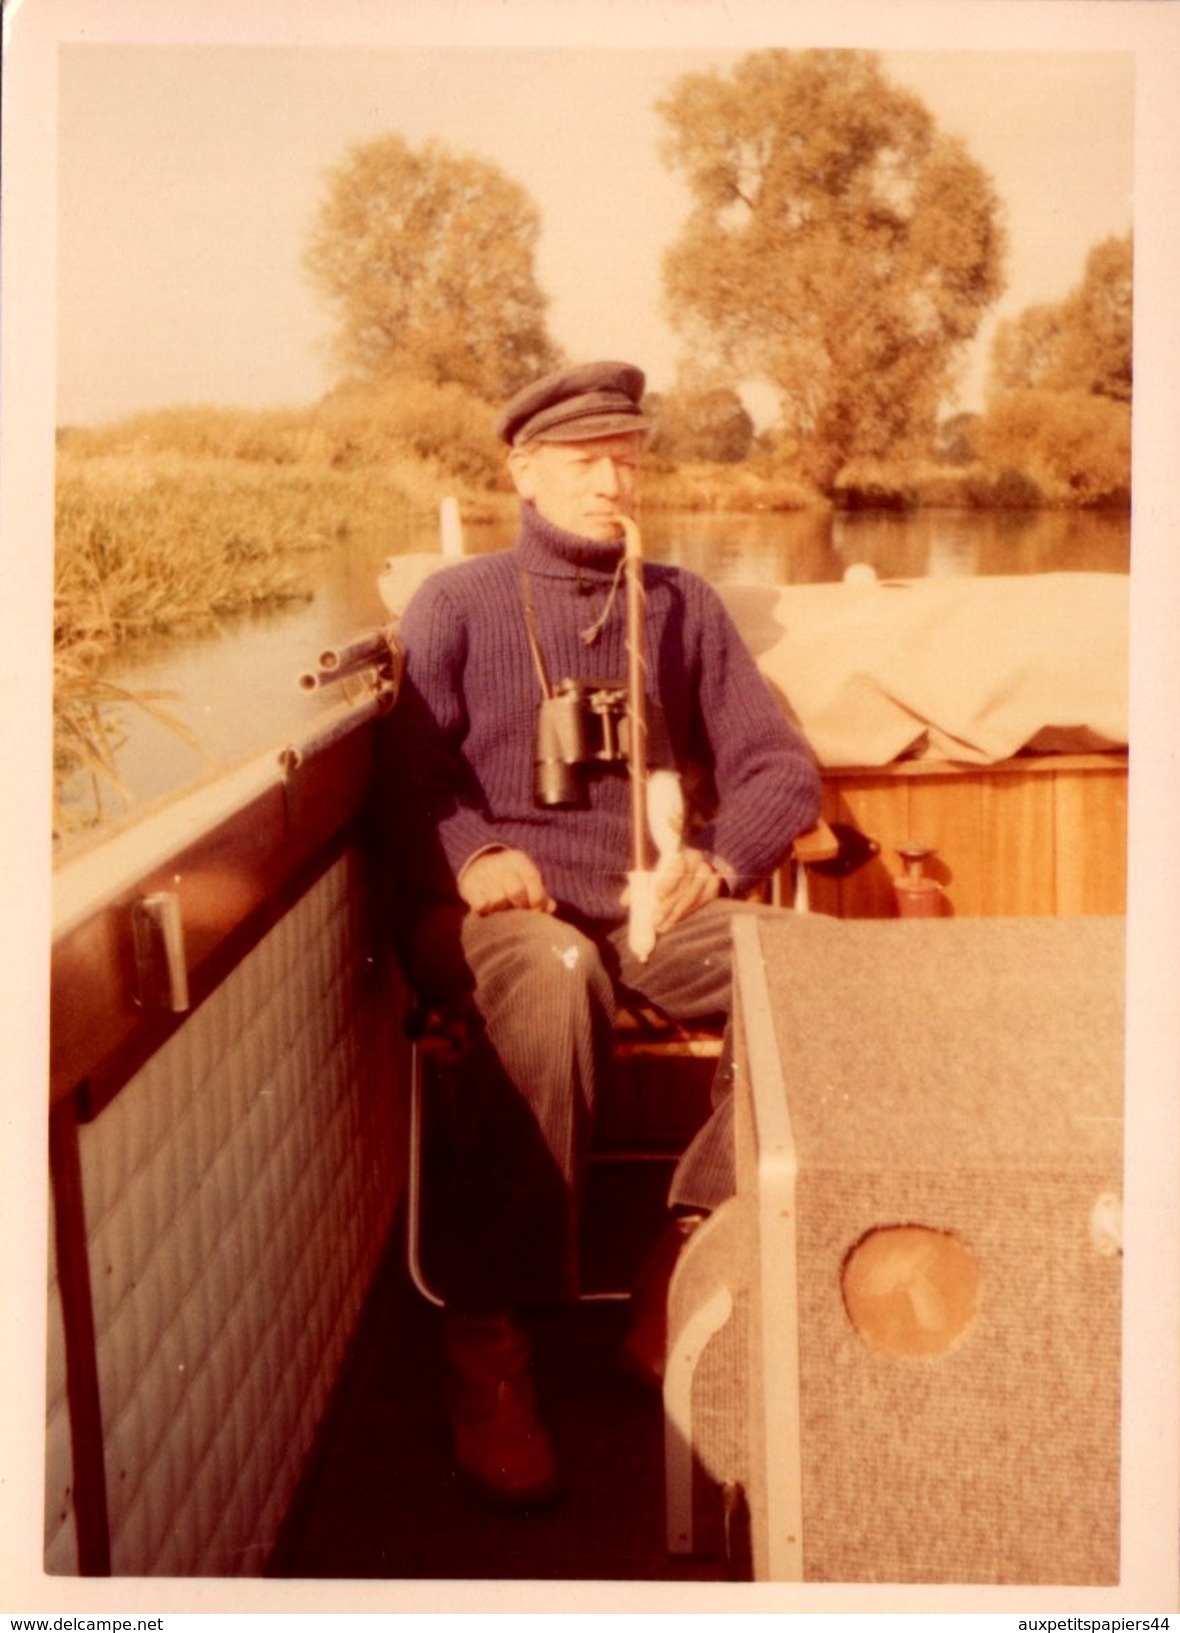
706	423
428	259
838	246
1082	343
1059	392
1074	445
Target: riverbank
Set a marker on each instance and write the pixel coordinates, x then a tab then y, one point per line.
188	514
757	485
180	519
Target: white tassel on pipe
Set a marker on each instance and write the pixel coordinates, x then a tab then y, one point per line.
641	912
665	821
665	814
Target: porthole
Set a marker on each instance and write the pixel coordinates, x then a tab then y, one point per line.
910	1290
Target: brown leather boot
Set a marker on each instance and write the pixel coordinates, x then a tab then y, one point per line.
500	1443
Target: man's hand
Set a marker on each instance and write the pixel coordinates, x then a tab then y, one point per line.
684	883
501	879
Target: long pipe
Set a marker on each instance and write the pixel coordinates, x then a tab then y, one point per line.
657	801
636	695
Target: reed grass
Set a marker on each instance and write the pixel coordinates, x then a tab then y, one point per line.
143	546
87	736
175	519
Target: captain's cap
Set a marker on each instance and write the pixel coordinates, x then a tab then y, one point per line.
576	405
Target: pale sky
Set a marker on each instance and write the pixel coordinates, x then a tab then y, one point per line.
189	178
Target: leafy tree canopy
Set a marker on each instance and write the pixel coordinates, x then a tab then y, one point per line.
1082	343
428	260
1074	445
838	246
702	423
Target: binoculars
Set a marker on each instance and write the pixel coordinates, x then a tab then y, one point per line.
584	722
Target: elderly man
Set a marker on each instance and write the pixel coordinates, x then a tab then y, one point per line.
514	880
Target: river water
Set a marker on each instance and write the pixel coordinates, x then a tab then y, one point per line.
235	687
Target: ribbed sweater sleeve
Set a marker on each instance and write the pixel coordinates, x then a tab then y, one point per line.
767	784
443	791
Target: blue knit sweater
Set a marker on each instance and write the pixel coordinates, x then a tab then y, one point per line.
463	731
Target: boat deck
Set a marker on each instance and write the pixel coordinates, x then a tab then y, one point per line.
381	1499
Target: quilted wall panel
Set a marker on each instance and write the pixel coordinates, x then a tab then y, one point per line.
238	1193
61	1551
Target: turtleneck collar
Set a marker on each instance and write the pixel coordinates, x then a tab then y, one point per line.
547	549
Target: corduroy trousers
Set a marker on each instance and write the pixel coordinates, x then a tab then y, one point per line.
541	995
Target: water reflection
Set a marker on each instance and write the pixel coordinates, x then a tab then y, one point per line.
236	684
945	543
936	545
805	548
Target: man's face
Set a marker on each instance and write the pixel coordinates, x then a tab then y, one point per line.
582	487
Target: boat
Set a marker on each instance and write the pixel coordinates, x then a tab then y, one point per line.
241	1375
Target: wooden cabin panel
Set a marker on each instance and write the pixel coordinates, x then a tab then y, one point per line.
947	812
823	892
1017	846
1090	811
1034	837
878	806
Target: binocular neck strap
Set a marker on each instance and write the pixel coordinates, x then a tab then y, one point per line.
589	635
530	618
